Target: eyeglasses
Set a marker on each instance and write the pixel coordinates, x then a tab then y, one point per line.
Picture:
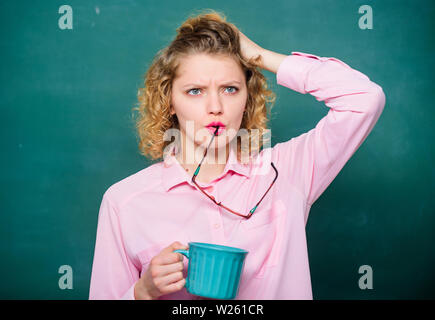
251	212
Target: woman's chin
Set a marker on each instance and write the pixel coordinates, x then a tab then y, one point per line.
218	143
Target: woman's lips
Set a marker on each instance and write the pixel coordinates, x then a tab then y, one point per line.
213	129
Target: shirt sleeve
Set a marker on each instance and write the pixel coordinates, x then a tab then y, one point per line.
113	273
312	160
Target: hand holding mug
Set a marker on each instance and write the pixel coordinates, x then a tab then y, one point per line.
164	274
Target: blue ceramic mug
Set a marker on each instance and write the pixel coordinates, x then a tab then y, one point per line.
213	270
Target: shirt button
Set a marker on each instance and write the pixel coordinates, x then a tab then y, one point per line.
216	226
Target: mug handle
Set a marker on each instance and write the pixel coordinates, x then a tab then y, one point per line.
183	252
186	254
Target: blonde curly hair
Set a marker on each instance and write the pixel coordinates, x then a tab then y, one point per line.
207	32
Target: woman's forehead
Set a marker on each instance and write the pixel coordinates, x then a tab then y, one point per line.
202	67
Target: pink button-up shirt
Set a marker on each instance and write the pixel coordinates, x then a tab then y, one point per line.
147	211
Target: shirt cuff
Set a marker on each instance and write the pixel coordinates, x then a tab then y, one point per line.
293	70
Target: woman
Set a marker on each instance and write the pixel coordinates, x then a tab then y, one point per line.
206	87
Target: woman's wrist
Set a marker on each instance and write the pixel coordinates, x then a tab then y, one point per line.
270	60
140	292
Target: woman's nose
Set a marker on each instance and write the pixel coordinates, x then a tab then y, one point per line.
214	103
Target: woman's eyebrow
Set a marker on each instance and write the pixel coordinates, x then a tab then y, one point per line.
200	85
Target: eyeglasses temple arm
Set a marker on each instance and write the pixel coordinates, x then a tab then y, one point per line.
258	203
205	153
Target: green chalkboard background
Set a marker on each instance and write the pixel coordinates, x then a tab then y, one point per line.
67	134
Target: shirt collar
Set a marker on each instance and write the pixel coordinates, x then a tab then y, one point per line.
174	174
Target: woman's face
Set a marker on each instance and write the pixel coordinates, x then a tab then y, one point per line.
208	88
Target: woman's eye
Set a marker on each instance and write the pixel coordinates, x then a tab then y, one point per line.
195	89
235	89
